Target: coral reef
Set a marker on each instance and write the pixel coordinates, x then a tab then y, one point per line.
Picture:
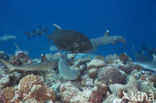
4	56
33	86
71	94
20	58
2	99
111	75
30	87
4	81
96	63
113	59
92	72
8	93
111	79
124	57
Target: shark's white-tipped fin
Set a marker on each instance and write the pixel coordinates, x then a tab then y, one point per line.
58	27
107	33
154	57
10	66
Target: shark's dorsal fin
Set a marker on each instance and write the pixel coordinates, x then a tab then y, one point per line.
107	33
154	57
43	58
57	27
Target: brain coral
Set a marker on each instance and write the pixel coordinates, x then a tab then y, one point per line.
111	75
32	86
96	63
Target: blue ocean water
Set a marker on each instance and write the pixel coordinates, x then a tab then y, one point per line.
133	19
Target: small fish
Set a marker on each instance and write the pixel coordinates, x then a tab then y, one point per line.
7	37
35	67
37	32
69	40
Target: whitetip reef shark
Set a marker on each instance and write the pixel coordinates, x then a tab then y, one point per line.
39	31
146	58
106	39
34	67
149	65
7	37
65	71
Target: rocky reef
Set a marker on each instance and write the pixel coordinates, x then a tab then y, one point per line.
111	79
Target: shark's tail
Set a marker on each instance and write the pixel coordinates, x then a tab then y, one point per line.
10	66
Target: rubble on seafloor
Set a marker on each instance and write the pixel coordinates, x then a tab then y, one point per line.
111	79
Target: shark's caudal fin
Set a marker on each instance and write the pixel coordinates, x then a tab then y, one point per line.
10	66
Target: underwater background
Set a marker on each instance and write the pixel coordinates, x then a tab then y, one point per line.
119	71
133	19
